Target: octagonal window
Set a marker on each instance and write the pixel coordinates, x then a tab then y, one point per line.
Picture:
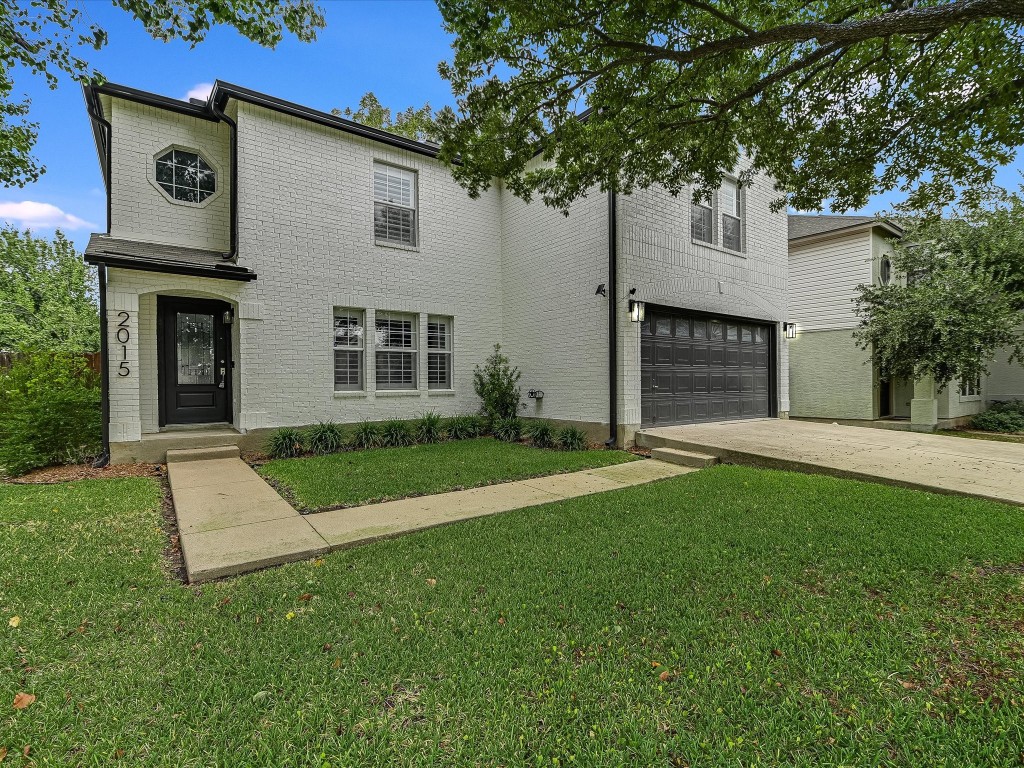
185	176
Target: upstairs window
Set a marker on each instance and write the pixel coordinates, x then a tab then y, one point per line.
396	350
185	176
702	223
970	388
394	205
439	352
348	350
732	221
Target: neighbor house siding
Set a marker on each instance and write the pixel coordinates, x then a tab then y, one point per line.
823	280
139	209
830	377
1005	380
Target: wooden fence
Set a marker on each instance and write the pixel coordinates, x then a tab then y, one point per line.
93	358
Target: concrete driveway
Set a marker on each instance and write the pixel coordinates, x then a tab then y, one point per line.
982	468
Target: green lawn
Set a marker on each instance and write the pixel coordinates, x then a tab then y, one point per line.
360	477
730	617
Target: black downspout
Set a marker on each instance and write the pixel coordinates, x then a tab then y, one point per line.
232	255
104	458
613	300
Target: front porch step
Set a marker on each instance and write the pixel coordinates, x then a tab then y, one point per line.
684	458
203	454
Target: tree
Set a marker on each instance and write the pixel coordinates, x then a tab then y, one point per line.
960	298
47	298
412	123
45	37
834	100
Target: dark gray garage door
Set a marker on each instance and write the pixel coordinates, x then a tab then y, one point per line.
701	368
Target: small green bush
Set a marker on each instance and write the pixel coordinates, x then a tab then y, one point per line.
497	386
325	437
49	412
1001	417
394	434
508	430
540	433
429	429
285	443
464	427
572	439
366	435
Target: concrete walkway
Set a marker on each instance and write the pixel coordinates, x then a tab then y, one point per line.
982	468
230	521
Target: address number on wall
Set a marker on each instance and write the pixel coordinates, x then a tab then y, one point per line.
123	335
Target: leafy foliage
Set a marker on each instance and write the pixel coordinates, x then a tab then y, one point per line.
497	386
325	437
417	124
508	429
834	101
429	428
540	433
47	296
960	298
1001	417
50	38
395	433
464	427
285	443
572	439
49	411
366	435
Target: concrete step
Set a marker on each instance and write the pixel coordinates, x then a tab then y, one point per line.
203	454
684	458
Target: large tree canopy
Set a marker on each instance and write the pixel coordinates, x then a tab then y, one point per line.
46	38
412	122
959	299
836	100
47	295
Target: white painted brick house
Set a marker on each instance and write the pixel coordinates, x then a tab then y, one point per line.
253	244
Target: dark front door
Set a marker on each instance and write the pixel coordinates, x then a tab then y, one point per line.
194	361
696	368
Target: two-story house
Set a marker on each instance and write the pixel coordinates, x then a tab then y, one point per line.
266	264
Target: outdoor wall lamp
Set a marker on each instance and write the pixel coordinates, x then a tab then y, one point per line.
228	317
636	311
789	329
601	291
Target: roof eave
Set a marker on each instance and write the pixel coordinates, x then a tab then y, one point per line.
148	265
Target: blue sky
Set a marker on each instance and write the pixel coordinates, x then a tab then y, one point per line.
390	47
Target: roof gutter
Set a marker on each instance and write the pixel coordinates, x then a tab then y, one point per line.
613	300
232	254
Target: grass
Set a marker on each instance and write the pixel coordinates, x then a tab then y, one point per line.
730	617
1001	437
360	477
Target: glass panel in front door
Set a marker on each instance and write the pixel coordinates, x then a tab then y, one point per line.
195	341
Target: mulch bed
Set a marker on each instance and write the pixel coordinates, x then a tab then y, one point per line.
71	472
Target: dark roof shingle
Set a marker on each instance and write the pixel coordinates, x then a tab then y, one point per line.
154	257
805	225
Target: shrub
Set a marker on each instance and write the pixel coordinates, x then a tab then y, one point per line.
508	430
572	439
541	434
497	386
49	412
395	434
464	427
366	435
1001	417
325	437
429	428
285	443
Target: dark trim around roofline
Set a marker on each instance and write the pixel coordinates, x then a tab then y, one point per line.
130	262
155	100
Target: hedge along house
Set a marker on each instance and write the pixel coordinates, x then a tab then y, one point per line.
831	377
267	265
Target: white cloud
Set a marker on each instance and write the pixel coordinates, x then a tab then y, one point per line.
42	215
199	91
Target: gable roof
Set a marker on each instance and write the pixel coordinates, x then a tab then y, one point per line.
811	225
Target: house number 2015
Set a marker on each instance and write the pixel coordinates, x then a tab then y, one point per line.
123	335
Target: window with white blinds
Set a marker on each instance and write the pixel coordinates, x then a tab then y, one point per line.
348	350
439	352
396	346
394	204
702	223
732	222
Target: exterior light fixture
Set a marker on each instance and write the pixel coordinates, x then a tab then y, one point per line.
790	330
228	317
636	311
601	290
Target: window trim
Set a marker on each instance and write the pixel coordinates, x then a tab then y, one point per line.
221	180
710	208
413	350
449	350
415	208
360	314
964	390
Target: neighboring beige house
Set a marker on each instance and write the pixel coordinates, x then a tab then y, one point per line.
830	377
266	264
